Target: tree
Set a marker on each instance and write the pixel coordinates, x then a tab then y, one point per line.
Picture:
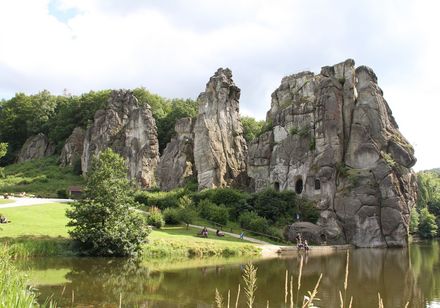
251	128
427	225
3	149
104	222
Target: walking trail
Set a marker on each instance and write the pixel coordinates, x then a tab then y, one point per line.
32	201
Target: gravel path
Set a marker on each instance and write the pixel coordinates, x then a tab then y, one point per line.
32	201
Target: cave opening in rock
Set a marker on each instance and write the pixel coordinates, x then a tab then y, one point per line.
317	184
276	186
299	186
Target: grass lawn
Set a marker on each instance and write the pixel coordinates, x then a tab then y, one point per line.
46	220
6	201
41	229
41	177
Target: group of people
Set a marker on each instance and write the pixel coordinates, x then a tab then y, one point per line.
301	244
204	232
3	219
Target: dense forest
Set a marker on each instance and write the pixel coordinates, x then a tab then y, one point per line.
57	115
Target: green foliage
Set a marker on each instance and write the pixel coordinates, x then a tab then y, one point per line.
389	159
427	225
3	149
235	200
14	291
171	216
161	199
293	131
251	221
212	212
281	207
41	177
312	143
304	131
414	221
155	218
251	128
267	126
187	215
104	223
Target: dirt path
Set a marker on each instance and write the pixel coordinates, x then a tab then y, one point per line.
32	201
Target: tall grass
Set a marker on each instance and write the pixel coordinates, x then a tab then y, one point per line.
13	290
26	248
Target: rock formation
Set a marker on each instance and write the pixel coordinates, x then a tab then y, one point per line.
219	147
177	161
130	130
335	141
37	146
73	147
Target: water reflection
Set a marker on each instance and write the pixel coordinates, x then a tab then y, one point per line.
400	275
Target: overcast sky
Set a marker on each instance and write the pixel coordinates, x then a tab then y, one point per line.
173	47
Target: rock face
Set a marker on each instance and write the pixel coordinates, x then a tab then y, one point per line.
219	147
335	141
130	130
177	162
73	147
37	146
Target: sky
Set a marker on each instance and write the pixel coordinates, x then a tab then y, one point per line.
173	47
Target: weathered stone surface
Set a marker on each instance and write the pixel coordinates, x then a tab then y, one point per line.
35	147
130	130
73	147
220	150
335	141
177	161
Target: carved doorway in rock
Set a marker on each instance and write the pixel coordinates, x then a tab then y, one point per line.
299	186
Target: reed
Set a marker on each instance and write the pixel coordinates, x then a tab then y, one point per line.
13	289
250	283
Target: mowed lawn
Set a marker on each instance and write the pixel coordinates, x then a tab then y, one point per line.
49	220
46	220
5	201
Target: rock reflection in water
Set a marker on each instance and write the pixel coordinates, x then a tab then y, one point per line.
400	275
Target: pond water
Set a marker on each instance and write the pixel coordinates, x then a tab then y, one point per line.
400	275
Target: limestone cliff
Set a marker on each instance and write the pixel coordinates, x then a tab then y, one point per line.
219	147
73	147
130	130
335	141
177	161
35	147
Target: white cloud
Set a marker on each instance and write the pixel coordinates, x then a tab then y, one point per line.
173	47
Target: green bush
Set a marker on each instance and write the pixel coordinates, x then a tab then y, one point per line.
103	223
171	216
215	213
160	199
235	200
155	218
414	221
187	215
427	225
253	222
62	193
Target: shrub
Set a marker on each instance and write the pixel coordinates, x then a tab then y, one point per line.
427	225
233	199
104	223
414	221
62	193
171	216
215	213
253	222
187	215
155	218
160	199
